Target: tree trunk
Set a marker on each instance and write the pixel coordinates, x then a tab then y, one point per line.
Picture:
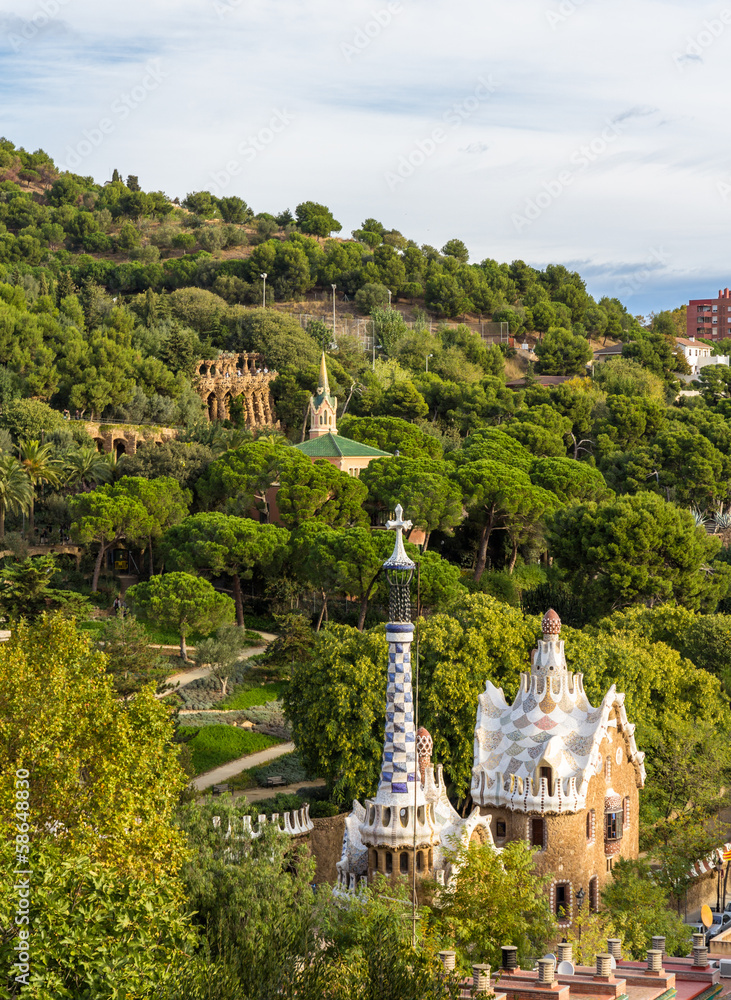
149	543
365	599
322	611
238	600
2	521
482	551
183	648
513	558
98	567
427	536
224	685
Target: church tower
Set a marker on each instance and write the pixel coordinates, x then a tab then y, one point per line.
323	406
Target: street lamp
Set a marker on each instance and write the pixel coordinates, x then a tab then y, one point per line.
427	362
333	288
719	869
389	298
375	345
264	292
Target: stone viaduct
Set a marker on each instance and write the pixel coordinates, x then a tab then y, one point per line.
124	438
219	381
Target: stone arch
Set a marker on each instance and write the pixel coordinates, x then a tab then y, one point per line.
212	404
120	447
99	442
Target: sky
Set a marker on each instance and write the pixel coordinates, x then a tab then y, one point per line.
589	133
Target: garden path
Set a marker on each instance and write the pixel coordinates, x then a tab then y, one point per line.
220	774
256	794
184	677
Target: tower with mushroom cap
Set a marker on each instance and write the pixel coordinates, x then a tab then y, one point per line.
403	829
553	770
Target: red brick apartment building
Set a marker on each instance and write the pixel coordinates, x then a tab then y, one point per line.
710	318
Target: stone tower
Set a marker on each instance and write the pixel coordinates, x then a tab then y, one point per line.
323	406
399	827
553	770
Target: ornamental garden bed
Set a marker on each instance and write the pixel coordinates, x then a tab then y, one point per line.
212	746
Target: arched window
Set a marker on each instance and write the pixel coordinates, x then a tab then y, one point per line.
547	773
374	860
562	901
594	893
389	862
590	826
419	861
403	863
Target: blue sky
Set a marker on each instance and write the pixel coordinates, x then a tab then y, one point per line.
584	132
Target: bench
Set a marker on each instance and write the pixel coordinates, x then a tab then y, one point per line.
217	789
275	779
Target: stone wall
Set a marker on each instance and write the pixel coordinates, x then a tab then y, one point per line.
326	844
218	381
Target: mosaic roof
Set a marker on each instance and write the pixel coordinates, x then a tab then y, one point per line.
551	724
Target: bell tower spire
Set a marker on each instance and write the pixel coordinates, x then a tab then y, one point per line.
323	406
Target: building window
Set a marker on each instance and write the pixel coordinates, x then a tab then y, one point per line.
547	773
389	862
562	900
537	832
501	829
591	826
403	863
614	826
374	861
594	893
419	861
610	862
625	812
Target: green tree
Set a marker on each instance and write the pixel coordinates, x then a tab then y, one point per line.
27	419
163	498
222	543
130	659
315	219
637	548
182	602
97	763
561	352
240	480
456	249
318	491
433	501
85	467
639	908
220	652
391	434
569	480
105	519
25	589
496	897
16	491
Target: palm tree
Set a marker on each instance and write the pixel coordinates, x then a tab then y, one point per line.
41	467
86	467
16	491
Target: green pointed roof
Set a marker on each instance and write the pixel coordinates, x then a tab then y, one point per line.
334	446
323	387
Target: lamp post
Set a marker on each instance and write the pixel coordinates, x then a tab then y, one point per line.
427	362
579	903
333	288
375	345
264	292
719	869
389	298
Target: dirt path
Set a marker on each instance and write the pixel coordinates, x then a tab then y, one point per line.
257	794
220	774
184	677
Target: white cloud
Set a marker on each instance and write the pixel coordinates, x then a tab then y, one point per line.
364	85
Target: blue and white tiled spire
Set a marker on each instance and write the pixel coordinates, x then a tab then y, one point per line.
399	766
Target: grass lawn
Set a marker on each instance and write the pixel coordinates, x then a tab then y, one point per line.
253	696
215	745
158	636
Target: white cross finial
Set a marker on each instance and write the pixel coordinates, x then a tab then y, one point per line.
398	556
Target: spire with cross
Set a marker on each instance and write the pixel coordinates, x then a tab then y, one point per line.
399	571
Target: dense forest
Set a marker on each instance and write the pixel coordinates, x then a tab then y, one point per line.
603	493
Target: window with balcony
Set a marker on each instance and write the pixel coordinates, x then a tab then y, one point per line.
613	826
